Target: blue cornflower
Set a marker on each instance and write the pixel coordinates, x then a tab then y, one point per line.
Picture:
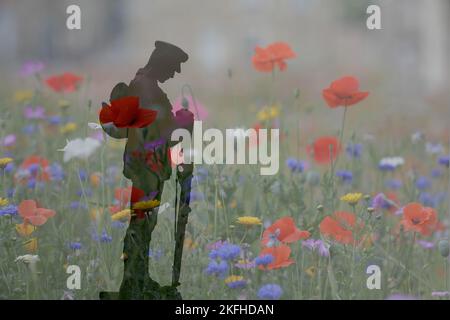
354	150
270	292
9	167
264	260
155	254
105	238
217	268
436	173
10	210
56	172
432	200
75	245
82	174
444	161
78	205
295	165
118	224
345	175
393	184
29	129
197	196
54	120
226	252
423	183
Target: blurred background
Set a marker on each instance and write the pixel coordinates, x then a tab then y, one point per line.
404	66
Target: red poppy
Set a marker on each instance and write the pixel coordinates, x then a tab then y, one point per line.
343	92
419	219
36	167
66	82
30	213
283	230
339	226
126	113
280	256
324	149
265	59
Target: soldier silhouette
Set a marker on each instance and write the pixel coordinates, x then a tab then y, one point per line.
148	164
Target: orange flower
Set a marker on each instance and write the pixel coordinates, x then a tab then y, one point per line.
324	149
343	92
126	113
265	59
280	256
419	219
283	230
66	82
30	213
339	226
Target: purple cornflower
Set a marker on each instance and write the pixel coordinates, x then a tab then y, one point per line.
37	112
436	173
313	245
30	68
56	172
152	145
9	140
354	150
54	120
345	175
426	244
29	129
380	201
270	292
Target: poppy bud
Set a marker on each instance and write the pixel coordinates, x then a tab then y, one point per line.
444	247
185	103
370	209
320	208
367	197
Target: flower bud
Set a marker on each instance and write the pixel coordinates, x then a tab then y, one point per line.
320	208
370	209
444	247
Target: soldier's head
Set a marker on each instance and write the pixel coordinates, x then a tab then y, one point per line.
166	59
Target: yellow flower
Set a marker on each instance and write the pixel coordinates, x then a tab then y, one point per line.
121	215
146	205
352	198
25	229
233	278
311	271
69	127
249	221
263	115
5	161
3	202
274	111
31	245
23	96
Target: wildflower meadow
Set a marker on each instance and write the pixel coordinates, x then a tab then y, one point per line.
358	209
